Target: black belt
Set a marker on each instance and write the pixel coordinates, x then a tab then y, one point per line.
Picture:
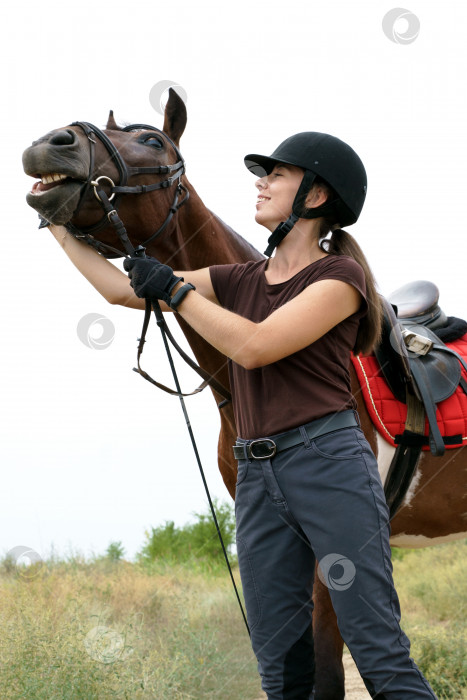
265	448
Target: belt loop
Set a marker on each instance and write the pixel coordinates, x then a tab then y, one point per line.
304	435
245	452
357	418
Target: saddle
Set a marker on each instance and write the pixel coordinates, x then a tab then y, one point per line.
421	372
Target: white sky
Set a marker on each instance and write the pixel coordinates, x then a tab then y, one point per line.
90	452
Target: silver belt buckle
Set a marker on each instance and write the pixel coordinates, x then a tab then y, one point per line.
272	447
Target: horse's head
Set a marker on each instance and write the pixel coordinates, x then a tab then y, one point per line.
68	162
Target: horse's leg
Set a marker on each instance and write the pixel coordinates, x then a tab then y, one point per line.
329	670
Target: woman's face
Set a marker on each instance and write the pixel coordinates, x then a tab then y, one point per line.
276	195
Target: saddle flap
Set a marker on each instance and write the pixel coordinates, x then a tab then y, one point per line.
443	371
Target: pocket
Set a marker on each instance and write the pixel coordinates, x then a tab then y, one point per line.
242	470
339	445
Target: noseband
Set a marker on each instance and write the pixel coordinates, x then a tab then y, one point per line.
175	170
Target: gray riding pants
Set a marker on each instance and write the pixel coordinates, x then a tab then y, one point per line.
321	500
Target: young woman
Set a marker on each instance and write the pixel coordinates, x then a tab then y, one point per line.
308	486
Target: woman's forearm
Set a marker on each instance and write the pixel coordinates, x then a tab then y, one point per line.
109	281
229	333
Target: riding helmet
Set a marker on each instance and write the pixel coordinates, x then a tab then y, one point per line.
324	156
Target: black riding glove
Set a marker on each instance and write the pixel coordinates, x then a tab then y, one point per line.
150	278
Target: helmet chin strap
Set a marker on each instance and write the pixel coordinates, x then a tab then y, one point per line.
279	233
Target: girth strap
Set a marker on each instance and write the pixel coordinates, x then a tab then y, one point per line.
421	378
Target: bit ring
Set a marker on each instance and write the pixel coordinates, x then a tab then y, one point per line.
95	184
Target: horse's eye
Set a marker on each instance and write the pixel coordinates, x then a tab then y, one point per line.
150	140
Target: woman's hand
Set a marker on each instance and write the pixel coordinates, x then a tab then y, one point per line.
151	279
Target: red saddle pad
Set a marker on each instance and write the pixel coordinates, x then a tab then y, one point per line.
389	415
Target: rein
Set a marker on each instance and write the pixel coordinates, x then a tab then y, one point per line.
208	378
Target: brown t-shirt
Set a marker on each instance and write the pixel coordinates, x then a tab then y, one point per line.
307	384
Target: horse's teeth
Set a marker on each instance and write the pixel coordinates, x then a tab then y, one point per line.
54	177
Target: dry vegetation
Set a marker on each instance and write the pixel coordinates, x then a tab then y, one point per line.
105	630
75	629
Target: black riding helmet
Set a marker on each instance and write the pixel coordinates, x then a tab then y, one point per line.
324	156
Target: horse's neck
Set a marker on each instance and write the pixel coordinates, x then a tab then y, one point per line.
200	238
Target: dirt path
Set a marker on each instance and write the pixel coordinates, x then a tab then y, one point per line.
354	686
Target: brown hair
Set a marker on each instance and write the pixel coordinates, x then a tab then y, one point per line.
342	243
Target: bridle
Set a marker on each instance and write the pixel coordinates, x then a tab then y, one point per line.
175	170
110	205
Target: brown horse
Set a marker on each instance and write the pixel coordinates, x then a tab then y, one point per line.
195	237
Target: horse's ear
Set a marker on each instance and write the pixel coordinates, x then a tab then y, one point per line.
111	123
175	116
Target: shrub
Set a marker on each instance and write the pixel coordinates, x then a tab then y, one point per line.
115	551
197	540
441	657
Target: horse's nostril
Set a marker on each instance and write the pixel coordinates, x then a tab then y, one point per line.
63	138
